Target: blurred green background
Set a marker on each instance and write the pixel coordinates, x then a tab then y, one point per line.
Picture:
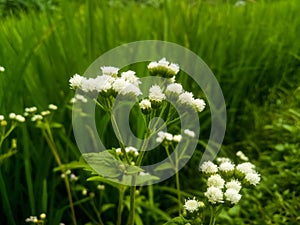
253	50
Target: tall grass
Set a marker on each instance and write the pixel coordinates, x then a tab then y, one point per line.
250	49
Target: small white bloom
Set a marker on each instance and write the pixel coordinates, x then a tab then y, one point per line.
20	118
199	105
189	133
143	174
131	149
145	104
132	90
73	177
214	195
191	205
174	67
245	168
31	109
223	159
240	3
156	94
12	116
209	167
177	138
174	88
119	84
152	65
52	107
2	69
163	62
80	98
45	113
253	178
226	166
110	70
186	98
76	81
215	181
103	83
172	79
242	156
36	117
232	196
234	184
130	77
2	117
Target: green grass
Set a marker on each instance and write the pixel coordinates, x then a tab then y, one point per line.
252	50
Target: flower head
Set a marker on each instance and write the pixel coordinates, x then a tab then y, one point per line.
76	81
189	133
2	69
232	196
234	184
186	98
245	168
253	178
52	107
174	88
192	205
209	167
156	94
130	77
214	195
226	166
163	68
110	71
242	156
199	104
215	181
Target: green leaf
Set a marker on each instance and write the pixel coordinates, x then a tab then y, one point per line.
177	220
164	166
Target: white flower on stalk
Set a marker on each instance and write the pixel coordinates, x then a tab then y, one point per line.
232	196
12	116
145	104
164	68
110	70
52	107
31	109
2	117
242	156
36	117
245	168
177	138
223	159
226	166
132	150
131	90
234	184
189	133
20	118
131	77
2	69
45	113
199	105
192	205
76	81
164	136
103	83
175	88
73	177
253	178
119	84
88	85
215	181
186	98
214	195
209	167
156	94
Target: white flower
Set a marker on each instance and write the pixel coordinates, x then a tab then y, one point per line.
169	69
20	118
245	168
31	109
174	88
52	107
73	177
2	69
253	178
76	81
36	118
133	150
156	94
1	117
242	156
226	166
240	3
209	167
145	104
186	98
163	62
43	216
110	70
12	116
177	138
214	195
131	89
234	184
119	84
191	205
189	133
45	113
103	83
199	105
174	67
164	135
223	159
131	77
215	181
232	196
88	85
77	98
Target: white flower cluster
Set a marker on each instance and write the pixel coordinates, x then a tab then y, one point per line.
225	180
163	68
128	150
193	205
35	219
32	112
168	137
15	117
109	83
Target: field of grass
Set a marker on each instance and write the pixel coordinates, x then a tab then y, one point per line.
254	52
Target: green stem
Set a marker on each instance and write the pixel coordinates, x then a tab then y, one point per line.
178	191
49	138
120	205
